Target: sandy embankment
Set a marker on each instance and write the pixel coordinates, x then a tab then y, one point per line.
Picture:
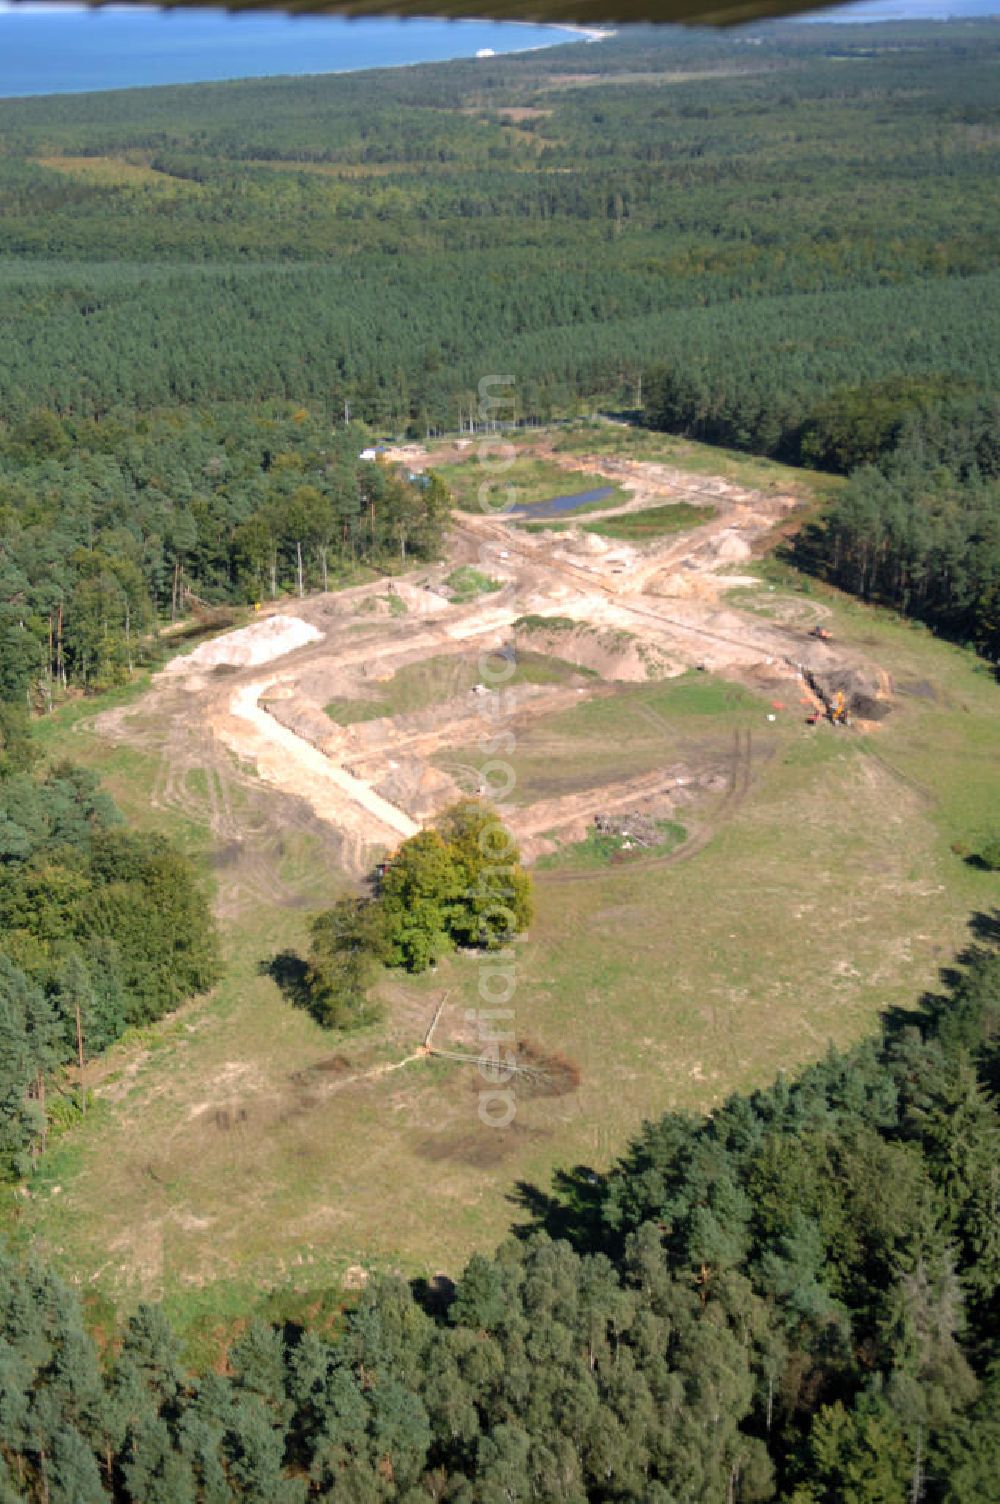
288	760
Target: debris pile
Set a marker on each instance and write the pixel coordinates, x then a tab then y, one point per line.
545	1073
633	827
864	693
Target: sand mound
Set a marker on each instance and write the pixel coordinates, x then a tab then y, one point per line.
417	787
732	547
259	643
611	652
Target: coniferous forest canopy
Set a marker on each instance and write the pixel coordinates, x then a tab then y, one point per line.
789	236
813	209
102	929
795	1299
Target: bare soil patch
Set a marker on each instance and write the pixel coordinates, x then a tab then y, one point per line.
547	1073
398	660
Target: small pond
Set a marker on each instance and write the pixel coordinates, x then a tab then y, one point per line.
558	506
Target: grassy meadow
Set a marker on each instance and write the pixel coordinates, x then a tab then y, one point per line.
433	681
231	1161
623	441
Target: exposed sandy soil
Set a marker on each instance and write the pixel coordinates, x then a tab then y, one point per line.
283	757
259	643
640	612
821	893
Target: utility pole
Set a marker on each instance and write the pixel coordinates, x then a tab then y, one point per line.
40	1096
60	660
79	1056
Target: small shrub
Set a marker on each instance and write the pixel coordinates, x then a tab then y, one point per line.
988	855
545	624
466	583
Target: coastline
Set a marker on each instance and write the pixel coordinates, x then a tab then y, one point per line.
588	33
112	52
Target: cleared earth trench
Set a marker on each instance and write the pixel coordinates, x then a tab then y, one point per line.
249	707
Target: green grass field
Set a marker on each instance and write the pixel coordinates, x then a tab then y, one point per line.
420	686
624	441
627	730
599	849
228	1163
634	527
654	522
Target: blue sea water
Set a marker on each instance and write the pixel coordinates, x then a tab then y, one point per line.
63	50
43	51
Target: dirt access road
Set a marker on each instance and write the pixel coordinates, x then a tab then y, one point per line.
249	707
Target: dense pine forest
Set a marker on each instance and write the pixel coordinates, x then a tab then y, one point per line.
108	527
102	929
794	1299
783	240
211	299
775	215
920	539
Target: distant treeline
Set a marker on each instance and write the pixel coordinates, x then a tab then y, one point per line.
795	1299
784	242
807	213
918	525
943	420
405	344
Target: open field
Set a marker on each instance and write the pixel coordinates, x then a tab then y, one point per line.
641	527
634	527
117	172
634	729
237	1155
619	440
434	681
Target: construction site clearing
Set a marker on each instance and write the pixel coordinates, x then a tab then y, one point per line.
254	704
